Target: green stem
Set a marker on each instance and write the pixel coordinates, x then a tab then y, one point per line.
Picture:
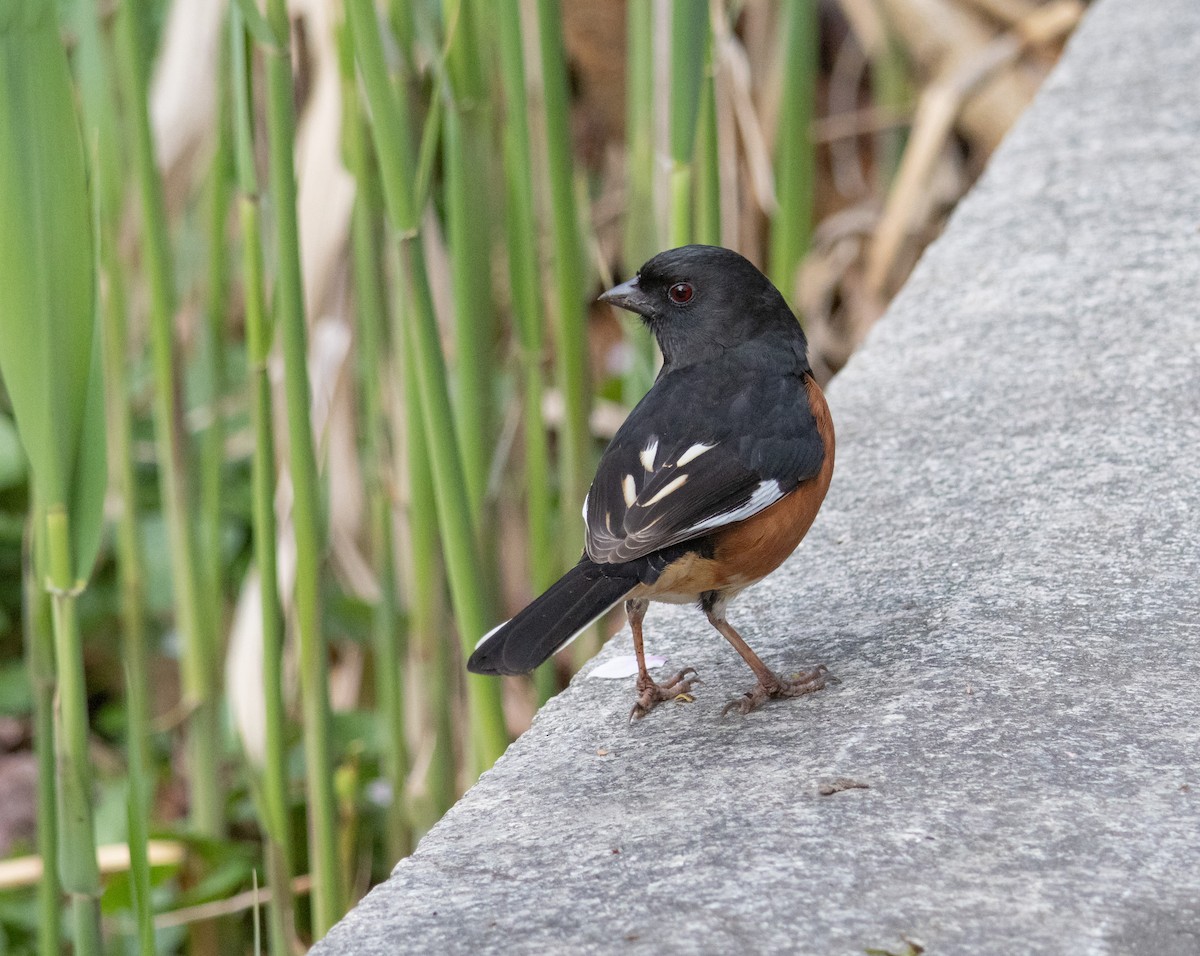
275	758
306	518
77	866
641	240
212	344
389	679
689	40
199	664
489	736
274	809
425	602
39	658
527	309
795	160
137	813
708	178
468	588
130	576
467	149
100	119
570	281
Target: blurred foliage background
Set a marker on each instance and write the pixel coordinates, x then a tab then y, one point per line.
344	260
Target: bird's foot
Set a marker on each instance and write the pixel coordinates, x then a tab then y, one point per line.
806	682
651	694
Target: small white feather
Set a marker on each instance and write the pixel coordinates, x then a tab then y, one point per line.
629	490
693	453
648	453
671	486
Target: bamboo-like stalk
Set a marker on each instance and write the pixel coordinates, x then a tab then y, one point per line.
795	161
137	810
689	43
371	313
199	664
101	130
258	340
640	238
426	606
212	345
77	864
402	22
570	277
467	586
328	897
527	308
425	577
39	662
390	652
131	578
49	359
708	174
467	147
465	143
488	736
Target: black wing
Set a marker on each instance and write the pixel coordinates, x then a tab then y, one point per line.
707	446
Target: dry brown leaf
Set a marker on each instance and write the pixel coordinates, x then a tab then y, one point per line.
938	109
944	39
325	190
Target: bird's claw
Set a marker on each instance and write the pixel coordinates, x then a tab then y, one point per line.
651	694
806	682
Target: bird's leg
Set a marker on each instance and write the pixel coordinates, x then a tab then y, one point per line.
769	683
650	693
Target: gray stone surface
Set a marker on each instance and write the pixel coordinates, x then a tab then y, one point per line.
1005	579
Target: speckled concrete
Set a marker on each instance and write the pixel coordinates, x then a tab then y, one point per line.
1005	579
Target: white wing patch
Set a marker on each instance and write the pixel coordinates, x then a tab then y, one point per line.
693	453
672	485
646	491
767	493
647	455
629	490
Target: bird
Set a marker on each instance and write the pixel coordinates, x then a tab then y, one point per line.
707	487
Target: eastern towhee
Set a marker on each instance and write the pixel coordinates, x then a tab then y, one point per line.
710	483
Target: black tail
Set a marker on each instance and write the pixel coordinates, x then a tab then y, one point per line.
552	620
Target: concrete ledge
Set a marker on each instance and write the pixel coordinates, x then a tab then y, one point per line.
1005	577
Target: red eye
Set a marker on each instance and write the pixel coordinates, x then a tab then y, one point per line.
681	293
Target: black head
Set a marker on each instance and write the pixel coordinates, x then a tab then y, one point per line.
700	300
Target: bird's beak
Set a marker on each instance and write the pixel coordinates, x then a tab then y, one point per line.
627	295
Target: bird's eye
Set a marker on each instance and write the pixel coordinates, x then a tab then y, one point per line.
681	293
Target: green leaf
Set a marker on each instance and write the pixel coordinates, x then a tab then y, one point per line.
86	505
48	352
13	467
